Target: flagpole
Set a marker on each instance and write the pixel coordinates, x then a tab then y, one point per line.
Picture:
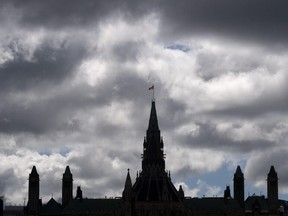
153	94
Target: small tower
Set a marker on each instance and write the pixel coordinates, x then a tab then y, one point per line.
272	191
127	193
227	193
67	186
239	186
181	193
33	193
128	198
79	194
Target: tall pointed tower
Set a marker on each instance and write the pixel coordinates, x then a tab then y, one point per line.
33	192
239	186
67	186
272	191
153	189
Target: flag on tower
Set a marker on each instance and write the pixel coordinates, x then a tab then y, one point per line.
151	88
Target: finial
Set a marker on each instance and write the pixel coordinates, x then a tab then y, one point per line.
128	170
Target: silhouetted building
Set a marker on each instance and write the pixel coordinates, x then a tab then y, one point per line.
67	186
239	186
153	193
33	193
272	191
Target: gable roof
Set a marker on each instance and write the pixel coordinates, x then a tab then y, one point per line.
51	208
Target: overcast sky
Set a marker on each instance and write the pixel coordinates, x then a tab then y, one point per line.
74	79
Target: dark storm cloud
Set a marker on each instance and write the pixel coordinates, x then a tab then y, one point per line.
49	65
207	136
56	112
46	114
257	20
66	13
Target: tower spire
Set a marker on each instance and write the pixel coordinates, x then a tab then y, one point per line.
153	120
33	192
67	186
153	143
272	190
239	186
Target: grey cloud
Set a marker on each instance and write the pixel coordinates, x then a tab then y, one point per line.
127	52
7	178
258	165
253	21
49	65
65	14
263	21
257	109
208	137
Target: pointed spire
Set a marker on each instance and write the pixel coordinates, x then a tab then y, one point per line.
67	174
67	171
153	121
128	182
181	193
34	172
238	173
153	143
272	172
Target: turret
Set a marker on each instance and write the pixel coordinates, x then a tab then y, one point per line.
128	198
67	186
181	193
79	194
127	192
33	192
239	186
272	191
227	193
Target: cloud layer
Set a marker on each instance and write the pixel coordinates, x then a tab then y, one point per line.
74	91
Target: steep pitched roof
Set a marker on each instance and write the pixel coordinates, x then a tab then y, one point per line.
51	208
34	172
256	203
153	121
128	182
272	172
238	173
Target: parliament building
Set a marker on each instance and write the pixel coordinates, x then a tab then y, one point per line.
154	194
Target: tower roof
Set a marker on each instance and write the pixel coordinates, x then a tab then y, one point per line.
153	143
67	171
34	172
128	182
272	172
153	121
238	172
